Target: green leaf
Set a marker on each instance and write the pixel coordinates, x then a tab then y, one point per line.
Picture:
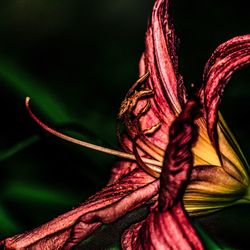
25	85
208	242
7	153
30	193
7	224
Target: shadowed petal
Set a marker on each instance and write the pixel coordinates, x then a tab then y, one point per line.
114	200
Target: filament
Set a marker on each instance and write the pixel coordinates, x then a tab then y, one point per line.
87	144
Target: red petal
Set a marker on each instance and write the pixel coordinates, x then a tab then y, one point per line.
227	58
167	226
179	158
163	230
121	169
113	201
90	221
160	60
130	237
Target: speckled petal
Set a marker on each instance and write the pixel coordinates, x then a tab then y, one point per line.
114	200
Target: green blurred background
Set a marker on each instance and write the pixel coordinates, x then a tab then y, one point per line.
77	59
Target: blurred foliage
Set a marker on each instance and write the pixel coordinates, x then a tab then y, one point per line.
76	59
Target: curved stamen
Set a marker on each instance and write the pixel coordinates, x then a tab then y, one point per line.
152	170
87	144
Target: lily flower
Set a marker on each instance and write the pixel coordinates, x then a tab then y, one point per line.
158	169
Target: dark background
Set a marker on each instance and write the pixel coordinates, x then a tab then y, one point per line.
77	59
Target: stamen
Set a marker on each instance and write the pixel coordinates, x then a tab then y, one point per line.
149	148
87	144
152	170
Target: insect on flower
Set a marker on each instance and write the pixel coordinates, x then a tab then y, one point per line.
178	153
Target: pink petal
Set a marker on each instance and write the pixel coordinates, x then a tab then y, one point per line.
112	202
227	58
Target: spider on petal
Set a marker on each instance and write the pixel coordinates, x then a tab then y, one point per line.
162	126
